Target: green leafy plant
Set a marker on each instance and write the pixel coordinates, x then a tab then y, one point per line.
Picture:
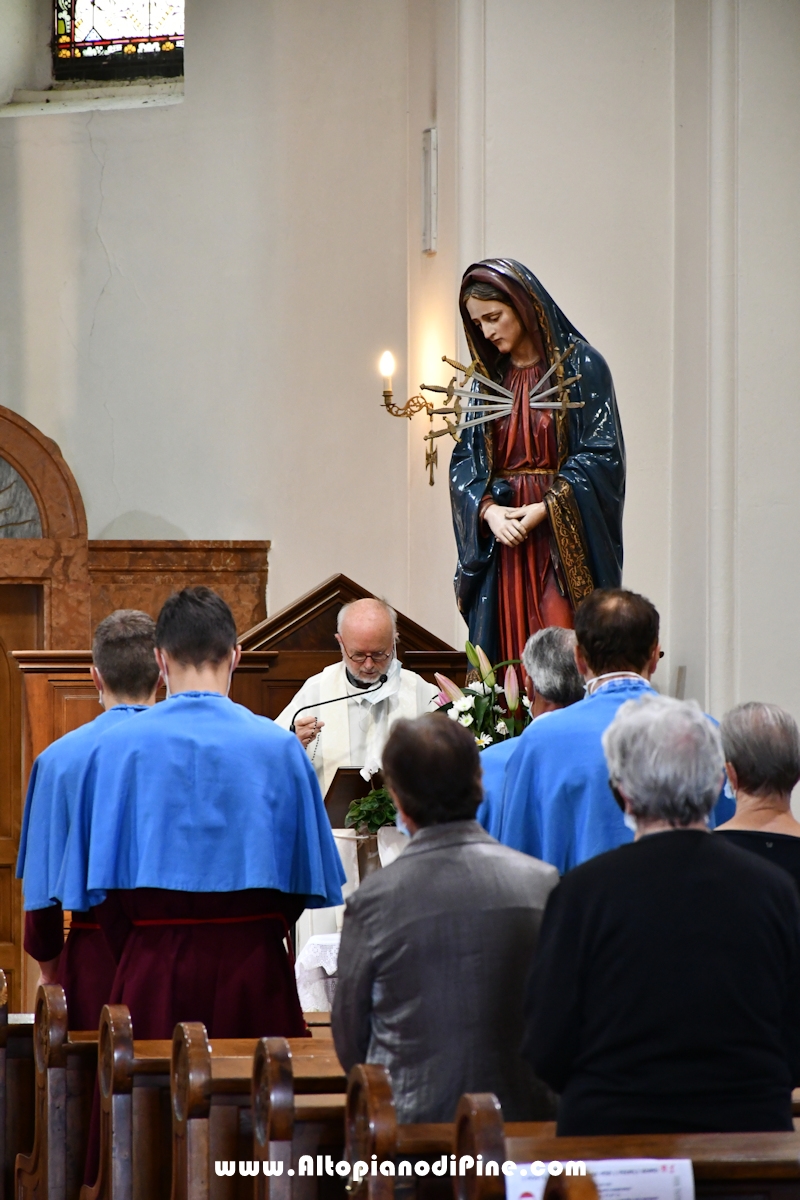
374	811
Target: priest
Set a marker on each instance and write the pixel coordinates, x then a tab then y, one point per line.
353	732
202	837
125	673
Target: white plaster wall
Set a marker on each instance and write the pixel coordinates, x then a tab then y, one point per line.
565	163
768	319
433	316
194	298
579	188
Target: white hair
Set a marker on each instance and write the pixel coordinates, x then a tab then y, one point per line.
549	660
390	612
666	755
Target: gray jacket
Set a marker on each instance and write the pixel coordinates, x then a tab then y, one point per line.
435	952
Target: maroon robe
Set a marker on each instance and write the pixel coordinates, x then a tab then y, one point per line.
196	956
86	966
526	455
200	956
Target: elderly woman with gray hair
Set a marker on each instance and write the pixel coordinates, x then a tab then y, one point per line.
762	757
665	991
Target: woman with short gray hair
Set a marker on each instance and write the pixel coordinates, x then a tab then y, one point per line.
762	758
666	756
665	994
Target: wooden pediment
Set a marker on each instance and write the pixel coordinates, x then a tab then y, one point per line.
309	623
304	636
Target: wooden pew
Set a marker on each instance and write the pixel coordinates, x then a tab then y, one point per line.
319	1024
65	1071
762	1165
298	1107
17	1089
135	1118
372	1128
227	1107
194	1097
133	1085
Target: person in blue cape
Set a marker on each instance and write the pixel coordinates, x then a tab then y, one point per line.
557	803
125	674
202	837
552	683
537	494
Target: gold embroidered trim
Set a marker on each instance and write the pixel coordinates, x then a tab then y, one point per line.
512	471
567	526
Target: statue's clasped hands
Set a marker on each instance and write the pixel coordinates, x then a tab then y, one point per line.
511	526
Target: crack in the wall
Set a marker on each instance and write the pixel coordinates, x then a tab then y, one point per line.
101	162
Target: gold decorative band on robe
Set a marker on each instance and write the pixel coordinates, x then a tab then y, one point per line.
567	527
510	472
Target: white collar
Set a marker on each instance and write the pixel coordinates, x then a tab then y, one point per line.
593	685
390	688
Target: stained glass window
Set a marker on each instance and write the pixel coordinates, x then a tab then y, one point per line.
19	515
117	39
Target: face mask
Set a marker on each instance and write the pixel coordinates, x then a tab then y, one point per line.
401	825
628	820
230	673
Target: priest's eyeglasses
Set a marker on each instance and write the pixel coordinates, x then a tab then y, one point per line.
378	657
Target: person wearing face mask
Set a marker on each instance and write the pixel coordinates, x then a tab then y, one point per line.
552	683
200	838
126	676
557	804
663	997
436	947
352	732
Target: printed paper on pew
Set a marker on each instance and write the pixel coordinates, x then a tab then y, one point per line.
616	1179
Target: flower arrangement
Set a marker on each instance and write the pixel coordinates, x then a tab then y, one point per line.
478	705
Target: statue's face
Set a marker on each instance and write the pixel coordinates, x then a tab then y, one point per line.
499	324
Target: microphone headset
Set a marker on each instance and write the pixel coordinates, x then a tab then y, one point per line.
351	696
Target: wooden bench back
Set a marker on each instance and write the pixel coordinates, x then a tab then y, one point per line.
762	1164
243	1103
65	1072
17	1089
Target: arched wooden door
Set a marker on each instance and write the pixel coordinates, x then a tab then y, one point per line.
44	602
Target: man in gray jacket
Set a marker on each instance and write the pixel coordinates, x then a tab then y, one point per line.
436	948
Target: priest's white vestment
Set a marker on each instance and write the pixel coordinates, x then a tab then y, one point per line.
356	729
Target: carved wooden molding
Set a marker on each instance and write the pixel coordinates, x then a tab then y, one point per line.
290	628
39	461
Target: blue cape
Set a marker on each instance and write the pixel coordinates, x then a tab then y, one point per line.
557	804
55	779
200	795
494	760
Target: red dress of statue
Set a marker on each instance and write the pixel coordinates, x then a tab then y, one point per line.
526	455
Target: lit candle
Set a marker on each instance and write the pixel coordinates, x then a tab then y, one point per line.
386	368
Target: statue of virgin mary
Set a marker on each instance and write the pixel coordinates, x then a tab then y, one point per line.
537	495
